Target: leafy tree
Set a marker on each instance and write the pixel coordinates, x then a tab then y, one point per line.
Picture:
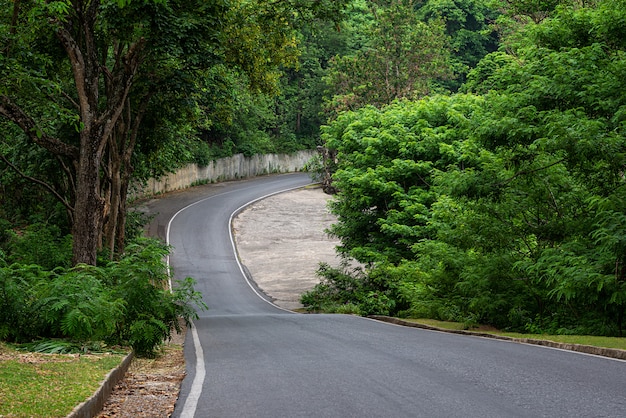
470	24
386	162
96	70
562	125
299	107
536	10
402	57
502	208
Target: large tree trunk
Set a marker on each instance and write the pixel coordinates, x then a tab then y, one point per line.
99	119
102	91
89	206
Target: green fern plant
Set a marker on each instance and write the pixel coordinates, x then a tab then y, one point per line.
152	312
126	302
76	304
19	317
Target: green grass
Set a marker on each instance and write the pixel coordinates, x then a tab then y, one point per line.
606	342
596	341
49	385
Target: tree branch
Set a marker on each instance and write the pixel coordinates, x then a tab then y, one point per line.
71	100
524	172
143	106
78	69
122	82
15	114
39	182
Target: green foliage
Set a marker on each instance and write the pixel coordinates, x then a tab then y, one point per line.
39	244
299	107
63	346
537	10
470	26
23	202
402	57
152	311
348	290
386	161
124	302
78	305
504	207
19	319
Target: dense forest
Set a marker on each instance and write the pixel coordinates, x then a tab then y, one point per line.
476	148
95	94
501	202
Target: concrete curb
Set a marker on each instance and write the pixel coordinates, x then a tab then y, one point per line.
92	406
587	349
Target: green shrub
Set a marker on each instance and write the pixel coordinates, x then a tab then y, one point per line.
5	231
19	319
77	304
338	286
350	290
126	302
40	244
141	279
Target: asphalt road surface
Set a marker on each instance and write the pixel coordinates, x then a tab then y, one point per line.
248	358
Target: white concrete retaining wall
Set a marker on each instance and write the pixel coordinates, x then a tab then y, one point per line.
230	168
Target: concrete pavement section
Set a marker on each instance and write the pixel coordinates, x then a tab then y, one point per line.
281	240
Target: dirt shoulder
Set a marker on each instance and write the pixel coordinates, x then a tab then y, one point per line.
150	387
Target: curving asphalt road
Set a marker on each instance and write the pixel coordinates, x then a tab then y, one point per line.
248	358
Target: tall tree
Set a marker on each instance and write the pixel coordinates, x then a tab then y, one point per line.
505	206
470	24
74	26
96	66
402	57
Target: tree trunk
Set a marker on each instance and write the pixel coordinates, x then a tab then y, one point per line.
89	207
112	226
329	162
99	124
121	147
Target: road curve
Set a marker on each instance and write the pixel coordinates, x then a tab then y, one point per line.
256	360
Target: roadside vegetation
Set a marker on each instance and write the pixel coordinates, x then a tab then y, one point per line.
120	303
501	204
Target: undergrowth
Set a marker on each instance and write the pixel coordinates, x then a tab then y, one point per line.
126	302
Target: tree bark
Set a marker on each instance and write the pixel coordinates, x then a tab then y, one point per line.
99	123
89	206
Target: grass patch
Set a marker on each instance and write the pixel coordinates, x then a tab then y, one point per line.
606	342
596	341
49	385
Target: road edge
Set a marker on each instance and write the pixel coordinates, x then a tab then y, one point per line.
580	348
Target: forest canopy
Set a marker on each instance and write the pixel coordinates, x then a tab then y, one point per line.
502	204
